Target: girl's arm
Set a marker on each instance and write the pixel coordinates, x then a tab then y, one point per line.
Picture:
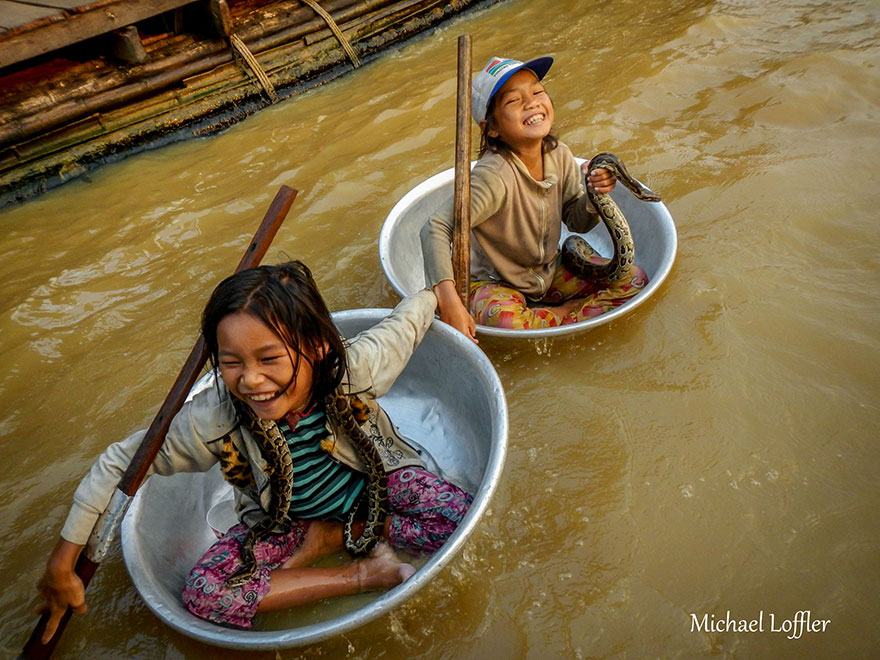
184	449
488	194
453	311
382	352
60	587
578	213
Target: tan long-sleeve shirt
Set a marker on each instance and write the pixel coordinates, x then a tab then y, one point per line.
516	222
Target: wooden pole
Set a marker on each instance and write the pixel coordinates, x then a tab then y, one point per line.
104	528
461	233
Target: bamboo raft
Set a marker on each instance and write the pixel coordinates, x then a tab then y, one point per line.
127	75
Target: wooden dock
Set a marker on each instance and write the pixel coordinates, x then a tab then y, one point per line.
82	84
36	27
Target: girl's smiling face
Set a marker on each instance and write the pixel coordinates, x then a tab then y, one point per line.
260	369
522	111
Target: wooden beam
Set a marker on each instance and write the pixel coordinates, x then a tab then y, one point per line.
15	14
126	46
58	4
178	20
219	17
36	38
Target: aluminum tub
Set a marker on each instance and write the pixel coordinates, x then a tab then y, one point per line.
652	227
449	400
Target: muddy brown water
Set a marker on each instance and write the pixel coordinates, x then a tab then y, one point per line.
714	451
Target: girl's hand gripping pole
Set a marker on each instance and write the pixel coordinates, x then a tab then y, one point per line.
107	523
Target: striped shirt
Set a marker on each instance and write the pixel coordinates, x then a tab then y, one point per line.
323	487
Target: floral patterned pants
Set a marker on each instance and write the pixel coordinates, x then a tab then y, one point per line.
424	510
499	305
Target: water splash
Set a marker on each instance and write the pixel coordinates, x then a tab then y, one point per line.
543	346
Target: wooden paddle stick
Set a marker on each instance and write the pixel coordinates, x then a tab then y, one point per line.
105	527
461	232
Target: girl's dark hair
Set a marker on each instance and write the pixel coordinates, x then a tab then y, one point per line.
285	298
499	146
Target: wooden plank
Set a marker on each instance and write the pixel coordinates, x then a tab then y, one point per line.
58	4
23	43
15	14
219	17
461	212
126	46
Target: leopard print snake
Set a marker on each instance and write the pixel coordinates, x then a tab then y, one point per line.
576	251
279	469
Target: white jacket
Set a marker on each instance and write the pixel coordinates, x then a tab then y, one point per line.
376	357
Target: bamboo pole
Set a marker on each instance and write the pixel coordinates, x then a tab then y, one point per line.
386	14
215	73
461	232
82	80
281	16
20	99
104	529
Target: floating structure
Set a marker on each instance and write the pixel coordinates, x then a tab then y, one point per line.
83	84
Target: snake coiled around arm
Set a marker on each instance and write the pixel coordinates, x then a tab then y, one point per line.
576	252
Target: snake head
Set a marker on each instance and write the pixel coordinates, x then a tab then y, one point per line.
613	164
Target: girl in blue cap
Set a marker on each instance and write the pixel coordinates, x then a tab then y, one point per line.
524	186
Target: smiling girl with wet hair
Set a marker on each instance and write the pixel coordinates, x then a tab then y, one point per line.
316	464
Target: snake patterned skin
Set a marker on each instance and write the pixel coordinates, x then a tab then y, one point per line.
339	409
279	469
576	251
233	465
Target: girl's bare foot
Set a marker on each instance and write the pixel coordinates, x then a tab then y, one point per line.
381	569
322	538
568	308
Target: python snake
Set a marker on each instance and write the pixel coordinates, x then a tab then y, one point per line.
279	469
339	409
576	252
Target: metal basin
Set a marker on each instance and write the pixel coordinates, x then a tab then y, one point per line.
651	224
449	400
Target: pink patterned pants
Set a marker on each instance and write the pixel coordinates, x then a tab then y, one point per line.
424	510
501	306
